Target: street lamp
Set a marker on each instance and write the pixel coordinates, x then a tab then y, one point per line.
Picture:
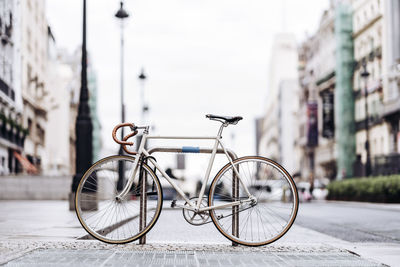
144	108
121	15
83	127
142	78
364	75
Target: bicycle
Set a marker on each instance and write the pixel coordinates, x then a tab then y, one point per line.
252	200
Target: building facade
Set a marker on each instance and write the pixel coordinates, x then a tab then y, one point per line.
281	98
326	122
34	59
391	82
317	82
349	69
12	130
60	78
377	107
64	81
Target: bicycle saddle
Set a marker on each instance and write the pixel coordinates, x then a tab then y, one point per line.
224	119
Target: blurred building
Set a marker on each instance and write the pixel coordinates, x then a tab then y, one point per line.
93	91
12	130
391	81
34	59
344	94
74	61
330	66
316	114
39	93
368	35
288	124
377	44
326	113
278	125
64	81
57	158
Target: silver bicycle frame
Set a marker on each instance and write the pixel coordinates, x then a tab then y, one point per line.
191	205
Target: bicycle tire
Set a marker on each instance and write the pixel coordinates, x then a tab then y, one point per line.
274	179
117	221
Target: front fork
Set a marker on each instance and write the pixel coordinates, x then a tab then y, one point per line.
138	166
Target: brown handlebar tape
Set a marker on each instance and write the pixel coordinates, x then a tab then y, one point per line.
124	142
124	146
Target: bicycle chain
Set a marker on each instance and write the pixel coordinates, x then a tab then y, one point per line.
225	216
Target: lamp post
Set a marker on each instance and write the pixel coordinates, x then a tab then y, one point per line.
144	108
83	125
364	75
142	78
121	15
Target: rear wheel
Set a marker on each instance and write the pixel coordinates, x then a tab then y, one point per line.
263	220
118	220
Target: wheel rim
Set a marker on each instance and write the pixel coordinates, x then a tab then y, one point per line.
270	216
108	218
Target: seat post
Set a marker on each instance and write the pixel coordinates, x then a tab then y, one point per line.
221	128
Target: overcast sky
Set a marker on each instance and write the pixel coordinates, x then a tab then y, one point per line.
208	56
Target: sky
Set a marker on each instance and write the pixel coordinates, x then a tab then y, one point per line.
201	57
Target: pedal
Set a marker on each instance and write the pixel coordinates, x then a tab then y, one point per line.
173	203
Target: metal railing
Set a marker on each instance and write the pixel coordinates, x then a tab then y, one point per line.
235	189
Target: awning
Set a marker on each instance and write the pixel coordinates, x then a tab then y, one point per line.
26	164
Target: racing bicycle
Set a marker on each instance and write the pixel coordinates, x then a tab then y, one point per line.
252	200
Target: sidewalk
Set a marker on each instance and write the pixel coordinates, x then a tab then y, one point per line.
45	232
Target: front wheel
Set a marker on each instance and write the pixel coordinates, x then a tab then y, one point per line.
268	216
113	219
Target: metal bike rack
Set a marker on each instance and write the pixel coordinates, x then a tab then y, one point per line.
235	189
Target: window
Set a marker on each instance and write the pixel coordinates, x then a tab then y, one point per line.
40	134
30	125
372	71
28	73
28	37
379	68
357	26
371	44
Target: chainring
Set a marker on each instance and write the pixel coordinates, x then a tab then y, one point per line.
197	218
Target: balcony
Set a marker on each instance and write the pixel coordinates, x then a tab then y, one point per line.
380	165
373	120
12	132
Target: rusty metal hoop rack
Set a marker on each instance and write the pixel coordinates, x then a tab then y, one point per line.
235	189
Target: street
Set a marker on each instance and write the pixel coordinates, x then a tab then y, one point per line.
353	222
323	234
